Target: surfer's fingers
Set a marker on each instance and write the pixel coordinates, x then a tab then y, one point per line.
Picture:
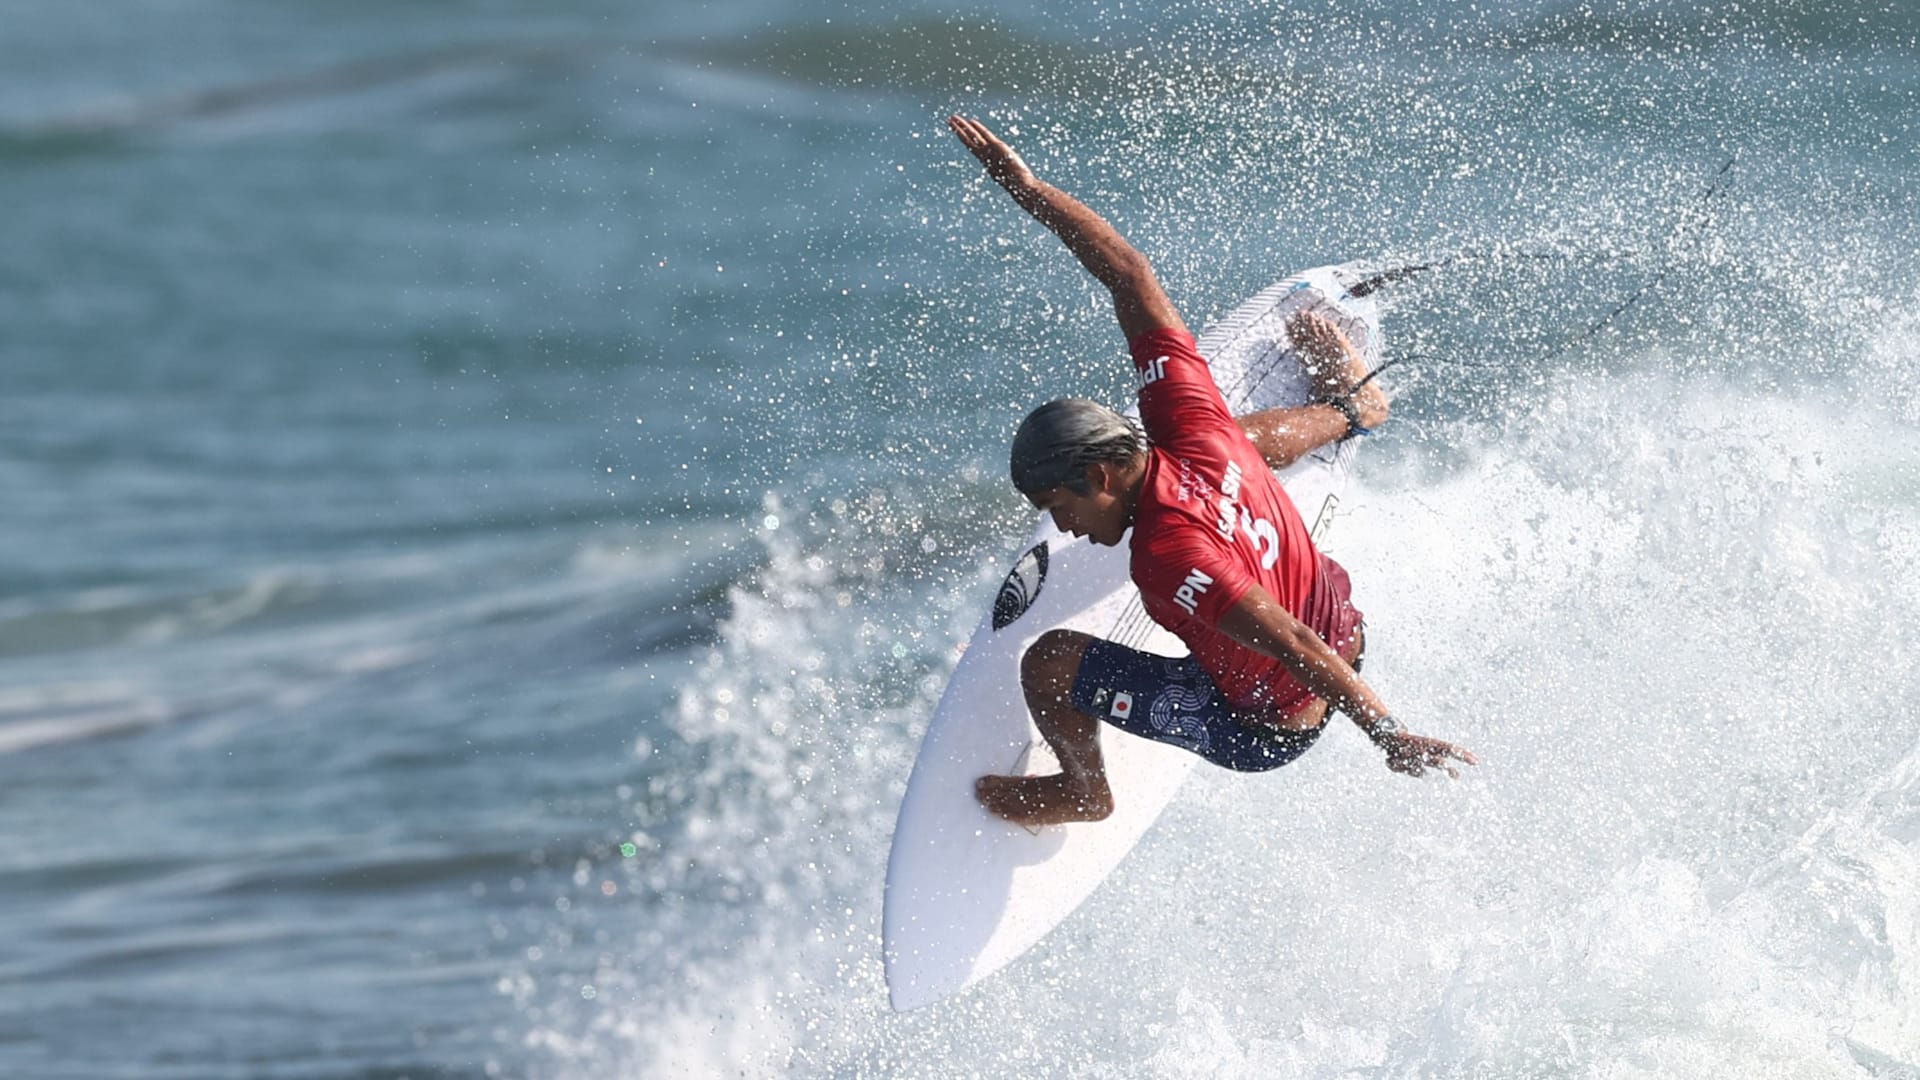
982	132
967	130
997	156
1310	321
992	146
1316	334
983	137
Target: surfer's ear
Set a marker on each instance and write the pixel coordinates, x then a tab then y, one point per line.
1111	476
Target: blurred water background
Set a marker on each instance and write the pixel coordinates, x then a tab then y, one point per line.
492	492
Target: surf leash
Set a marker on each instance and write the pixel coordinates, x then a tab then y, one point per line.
1696	218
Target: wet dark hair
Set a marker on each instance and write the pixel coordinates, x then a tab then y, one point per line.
1058	440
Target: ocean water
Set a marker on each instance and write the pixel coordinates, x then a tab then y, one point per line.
492	494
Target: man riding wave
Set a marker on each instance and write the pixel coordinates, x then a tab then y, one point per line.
1220	555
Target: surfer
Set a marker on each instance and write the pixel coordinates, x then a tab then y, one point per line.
1221	556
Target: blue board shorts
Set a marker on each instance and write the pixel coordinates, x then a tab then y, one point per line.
1173	700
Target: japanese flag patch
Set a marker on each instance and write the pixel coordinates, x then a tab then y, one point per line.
1122	706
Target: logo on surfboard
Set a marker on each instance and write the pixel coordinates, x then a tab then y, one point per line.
1021	588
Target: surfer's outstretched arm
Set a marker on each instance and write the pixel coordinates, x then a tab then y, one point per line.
1260	623
1138	300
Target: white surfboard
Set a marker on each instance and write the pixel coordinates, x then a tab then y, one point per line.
967	892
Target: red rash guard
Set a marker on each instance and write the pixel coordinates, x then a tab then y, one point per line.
1212	522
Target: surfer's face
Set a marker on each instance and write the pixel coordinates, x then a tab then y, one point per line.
1100	515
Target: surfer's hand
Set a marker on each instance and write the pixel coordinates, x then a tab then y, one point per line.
1415	754
1320	338
1002	163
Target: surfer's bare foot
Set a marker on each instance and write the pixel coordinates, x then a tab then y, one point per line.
1034	801
1336	366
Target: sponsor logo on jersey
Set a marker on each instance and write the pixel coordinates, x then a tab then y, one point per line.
1153	371
1189	485
1236	520
1189	593
1229	501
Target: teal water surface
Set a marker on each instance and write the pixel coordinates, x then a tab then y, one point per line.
493	494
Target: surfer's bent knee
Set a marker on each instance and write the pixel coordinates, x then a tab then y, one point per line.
1054	655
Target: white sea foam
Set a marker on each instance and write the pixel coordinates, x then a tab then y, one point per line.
1685	651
